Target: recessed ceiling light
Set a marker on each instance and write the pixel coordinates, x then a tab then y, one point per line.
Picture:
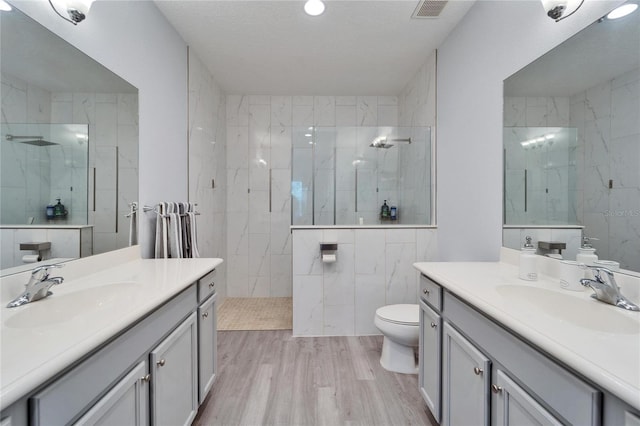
4	6
622	11
314	7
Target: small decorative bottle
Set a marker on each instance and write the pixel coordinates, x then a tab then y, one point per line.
586	253
384	211
528	262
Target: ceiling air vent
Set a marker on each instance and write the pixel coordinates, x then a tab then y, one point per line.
429	9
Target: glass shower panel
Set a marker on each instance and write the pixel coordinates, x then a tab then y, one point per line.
540	176
342	175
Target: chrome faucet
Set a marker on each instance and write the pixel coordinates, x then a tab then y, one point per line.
605	288
38	286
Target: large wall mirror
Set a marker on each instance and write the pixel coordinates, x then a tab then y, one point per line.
69	132
572	141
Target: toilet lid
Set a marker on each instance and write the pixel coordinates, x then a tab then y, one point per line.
400	314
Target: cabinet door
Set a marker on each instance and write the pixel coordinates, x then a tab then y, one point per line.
514	406
429	377
174	376
466	381
125	404
207	341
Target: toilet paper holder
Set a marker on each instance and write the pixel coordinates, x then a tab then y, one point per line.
328	252
37	248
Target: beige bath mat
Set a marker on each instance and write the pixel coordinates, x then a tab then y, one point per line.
273	313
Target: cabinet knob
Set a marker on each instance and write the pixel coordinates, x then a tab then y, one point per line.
426	291
496	388
478	371
205	315
146	378
434	325
161	362
212	284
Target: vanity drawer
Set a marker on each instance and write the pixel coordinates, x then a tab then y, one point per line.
430	292
206	286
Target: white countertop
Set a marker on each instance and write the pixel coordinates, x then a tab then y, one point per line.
42	338
599	341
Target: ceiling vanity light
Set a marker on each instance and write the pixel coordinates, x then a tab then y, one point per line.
561	9
622	11
77	10
314	7
4	6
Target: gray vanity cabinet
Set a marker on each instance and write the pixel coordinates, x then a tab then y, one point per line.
515	407
125	404
207	342
465	381
174	373
207	334
430	351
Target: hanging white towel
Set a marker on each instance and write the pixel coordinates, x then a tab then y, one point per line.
161	242
191	217
133	227
174	231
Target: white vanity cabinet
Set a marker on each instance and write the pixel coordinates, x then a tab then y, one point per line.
174	376
465	381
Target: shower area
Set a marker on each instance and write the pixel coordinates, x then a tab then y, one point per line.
344	175
40	164
540	176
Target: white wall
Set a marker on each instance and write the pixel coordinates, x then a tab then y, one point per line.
134	40
494	40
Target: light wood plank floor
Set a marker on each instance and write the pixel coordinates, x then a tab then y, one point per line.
271	378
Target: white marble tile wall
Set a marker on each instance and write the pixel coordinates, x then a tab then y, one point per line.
417	109
259	164
208	158
21	176
113	151
609	133
373	269
66	242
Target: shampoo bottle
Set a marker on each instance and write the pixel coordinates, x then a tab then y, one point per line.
586	253
528	262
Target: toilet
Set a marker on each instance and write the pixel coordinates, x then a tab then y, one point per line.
400	325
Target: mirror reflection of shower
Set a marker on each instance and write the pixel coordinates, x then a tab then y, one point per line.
42	163
540	175
337	179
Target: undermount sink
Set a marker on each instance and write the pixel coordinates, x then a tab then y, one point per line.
585	313
60	308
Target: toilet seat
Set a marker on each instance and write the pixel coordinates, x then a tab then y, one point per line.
402	314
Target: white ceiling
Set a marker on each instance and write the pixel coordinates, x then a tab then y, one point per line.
357	47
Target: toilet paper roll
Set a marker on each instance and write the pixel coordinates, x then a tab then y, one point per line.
328	258
31	258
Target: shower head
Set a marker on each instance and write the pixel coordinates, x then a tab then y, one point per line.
30	140
383	142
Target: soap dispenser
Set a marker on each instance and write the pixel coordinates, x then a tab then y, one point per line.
384	211
586	253
528	262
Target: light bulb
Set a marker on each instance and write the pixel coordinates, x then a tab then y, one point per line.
622	11
314	7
